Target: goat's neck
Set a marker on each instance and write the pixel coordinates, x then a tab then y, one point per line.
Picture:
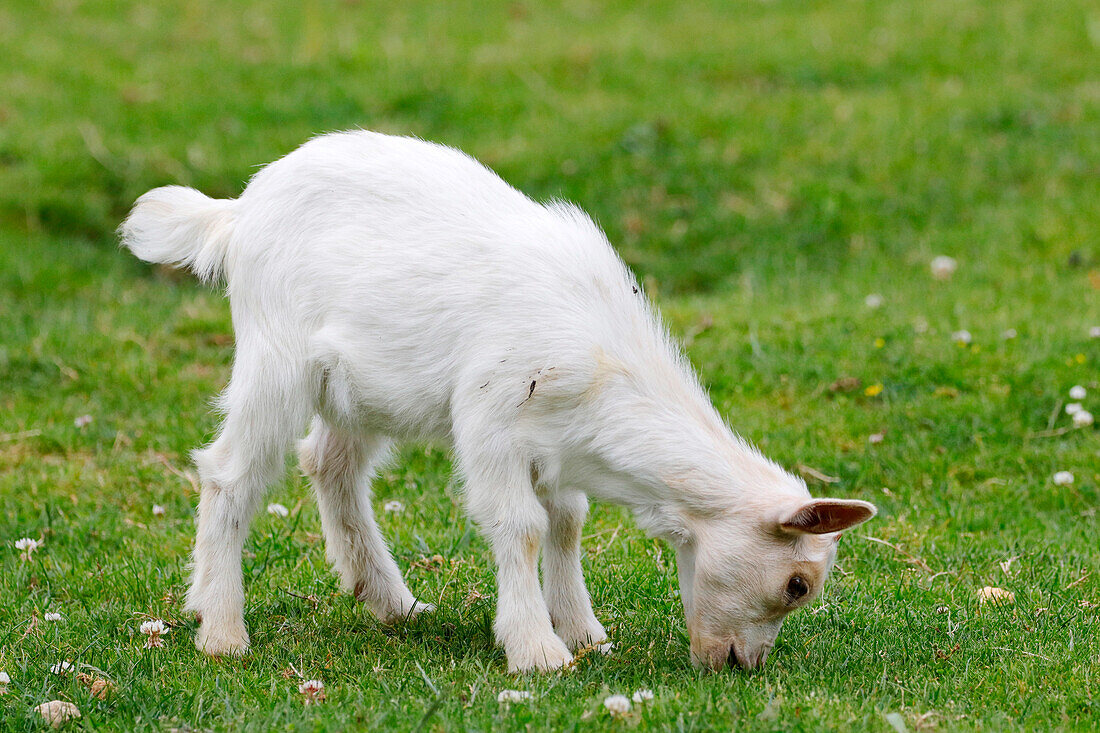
672	459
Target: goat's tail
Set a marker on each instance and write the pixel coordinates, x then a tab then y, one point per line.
174	225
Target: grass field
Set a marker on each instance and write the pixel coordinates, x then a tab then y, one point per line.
764	166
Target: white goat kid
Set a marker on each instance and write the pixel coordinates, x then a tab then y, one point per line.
393	289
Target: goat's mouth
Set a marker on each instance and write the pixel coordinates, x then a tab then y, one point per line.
716	654
746	661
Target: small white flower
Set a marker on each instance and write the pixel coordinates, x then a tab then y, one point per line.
62	667
52	616
1094	332
156	626
58	712
1009	333
962	336
943	267
1082	419
83	420
507	697
311	686
154	629
873	301
1063	478
642	696
27	546
920	324
617	705
393	507
1077	392
4	679
158	510
314	691
278	510
1073	408
876	438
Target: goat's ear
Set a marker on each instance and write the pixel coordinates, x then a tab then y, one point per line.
824	516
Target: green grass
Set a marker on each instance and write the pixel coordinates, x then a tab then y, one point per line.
764	166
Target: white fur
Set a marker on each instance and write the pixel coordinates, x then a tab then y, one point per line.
392	289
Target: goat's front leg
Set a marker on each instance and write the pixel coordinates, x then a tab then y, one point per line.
562	577
504	504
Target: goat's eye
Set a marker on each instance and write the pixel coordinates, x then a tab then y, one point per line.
797	587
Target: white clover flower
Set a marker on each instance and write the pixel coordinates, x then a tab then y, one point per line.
1094	332
1063	478
962	336
158	510
26	546
943	267
1009	333
52	616
83	420
1077	392
1073	408
873	301
506	697
62	667
58	712
1082	419
156	626
278	510
393	507
4	679
311	687
617	705
313	690
642	696
26	543
154	629
876	438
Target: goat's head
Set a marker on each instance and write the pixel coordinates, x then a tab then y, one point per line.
741	573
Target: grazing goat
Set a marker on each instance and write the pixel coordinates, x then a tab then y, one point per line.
389	289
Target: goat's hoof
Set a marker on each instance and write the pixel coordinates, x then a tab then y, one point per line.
227	640
535	656
399	616
590	637
419	608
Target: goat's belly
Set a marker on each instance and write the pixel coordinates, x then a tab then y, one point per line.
394	400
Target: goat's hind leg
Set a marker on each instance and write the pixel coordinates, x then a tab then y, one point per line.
340	466
264	412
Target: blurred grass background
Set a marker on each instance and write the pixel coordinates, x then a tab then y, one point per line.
706	137
763	165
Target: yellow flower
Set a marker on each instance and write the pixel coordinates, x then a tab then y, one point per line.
874	390
880	342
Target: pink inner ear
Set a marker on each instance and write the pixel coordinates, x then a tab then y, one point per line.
823	516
